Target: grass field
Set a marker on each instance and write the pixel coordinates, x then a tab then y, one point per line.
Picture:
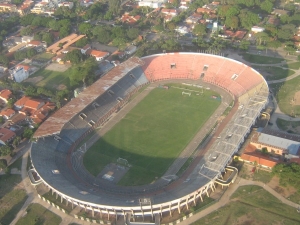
11	198
286	125
274	73
37	214
252	205
44	56
261	59
295	65
52	79
284	93
152	134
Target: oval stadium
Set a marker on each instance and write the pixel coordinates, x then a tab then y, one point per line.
57	152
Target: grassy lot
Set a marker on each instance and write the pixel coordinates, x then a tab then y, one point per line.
17	164
52	198
274	73
262	176
287	125
252	205
261	59
11	200
37	214
44	56
284	93
295	65
152	135
51	79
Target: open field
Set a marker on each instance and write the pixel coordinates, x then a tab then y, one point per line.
295	65
274	73
152	134
261	59
12	197
37	214
285	94
51	79
44	56
252	205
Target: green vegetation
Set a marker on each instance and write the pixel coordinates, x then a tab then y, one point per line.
252	205
51	79
17	164
37	214
261	59
295	65
44	56
287	125
11	199
57	201
289	174
152	135
274	73
262	176
284	93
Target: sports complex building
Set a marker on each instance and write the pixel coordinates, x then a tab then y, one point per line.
57	159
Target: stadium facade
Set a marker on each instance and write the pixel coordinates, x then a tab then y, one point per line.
56	159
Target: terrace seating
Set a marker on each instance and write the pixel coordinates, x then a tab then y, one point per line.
228	74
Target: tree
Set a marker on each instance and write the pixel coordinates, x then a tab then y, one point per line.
31	91
244	45
199	29
132	33
63	32
11	102
264	151
1	119
27	133
3	163
232	22
26	31
84	72
74	56
248	19
16	141
85	28
48	38
5	150
103	34
114	6
171	25
54	25
4	60
267	6
81	42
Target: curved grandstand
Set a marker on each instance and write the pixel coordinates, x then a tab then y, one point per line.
56	159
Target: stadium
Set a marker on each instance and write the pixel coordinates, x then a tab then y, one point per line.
56	154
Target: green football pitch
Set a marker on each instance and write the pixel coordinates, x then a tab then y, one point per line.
153	134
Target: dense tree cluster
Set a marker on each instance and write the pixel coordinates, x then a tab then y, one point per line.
74	56
23	54
5	150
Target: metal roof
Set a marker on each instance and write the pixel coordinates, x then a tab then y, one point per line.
280	142
54	123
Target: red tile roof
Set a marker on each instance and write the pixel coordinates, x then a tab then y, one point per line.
25	67
6	134
96	53
34	43
7	112
5	94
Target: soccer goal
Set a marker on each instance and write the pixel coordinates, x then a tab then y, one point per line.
123	162
186	93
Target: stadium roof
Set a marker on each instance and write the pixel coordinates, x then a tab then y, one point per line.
55	123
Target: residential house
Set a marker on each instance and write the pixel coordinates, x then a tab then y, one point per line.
25	103
40	115
194	18
205	11
256	29
99	55
86	3
273	20
7	113
172	12
280	12
130	49
184	4
35	43
239	34
152	4
66	4
4	7
25	7
26	39
5	95
6	136
85	48
127	18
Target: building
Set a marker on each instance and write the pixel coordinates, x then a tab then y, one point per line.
252	156
85	49
7	113
4	7
5	95
26	39
280	12
26	103
6	136
66	4
130	49
127	18
256	29
152	4
193	18
99	55
20	73
276	142
172	12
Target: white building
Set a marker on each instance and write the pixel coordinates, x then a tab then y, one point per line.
257	29
66	4
152	4
20	73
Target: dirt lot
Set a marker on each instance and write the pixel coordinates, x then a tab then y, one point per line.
58	67
34	80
